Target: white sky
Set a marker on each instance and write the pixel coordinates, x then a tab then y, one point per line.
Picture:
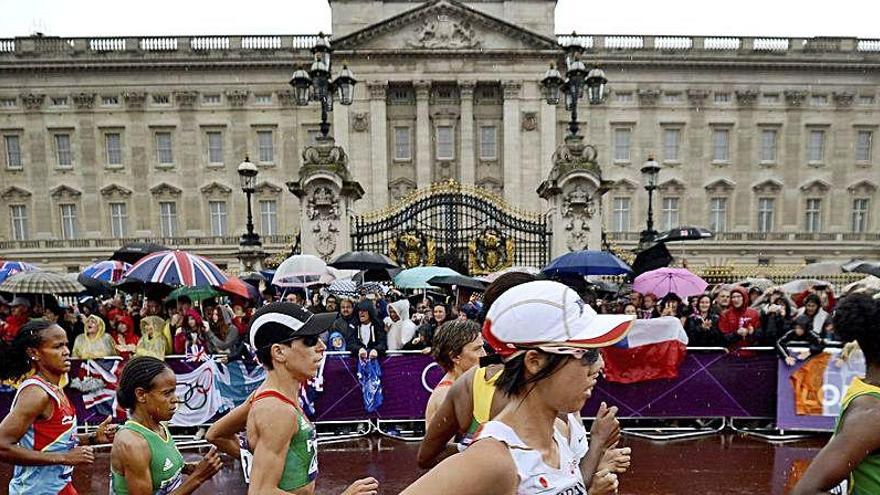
854	18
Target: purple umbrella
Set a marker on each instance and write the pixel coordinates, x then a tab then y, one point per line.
665	280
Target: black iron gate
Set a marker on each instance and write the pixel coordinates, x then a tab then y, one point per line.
448	224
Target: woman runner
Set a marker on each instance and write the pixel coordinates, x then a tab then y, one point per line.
282	439
39	434
547	337
144	459
850	463
458	347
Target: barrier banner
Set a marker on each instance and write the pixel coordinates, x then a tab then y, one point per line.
809	394
709	384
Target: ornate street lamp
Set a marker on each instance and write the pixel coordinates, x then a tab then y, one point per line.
571	88
247	172
650	176
317	84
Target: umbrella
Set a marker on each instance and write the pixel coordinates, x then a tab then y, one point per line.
239	287
10	268
417	278
302	270
460	281
859	266
761	283
652	258
683	233
343	288
253	278
106	271
377	275
670	280
40	282
196	293
131	253
587	263
511	269
362	260
94	286
604	285
869	283
800	285
821	269
176	268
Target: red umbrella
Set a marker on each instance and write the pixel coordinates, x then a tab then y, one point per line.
237	287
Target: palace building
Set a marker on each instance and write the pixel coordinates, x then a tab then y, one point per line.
768	142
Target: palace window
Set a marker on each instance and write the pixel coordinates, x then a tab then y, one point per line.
164	152
266	146
620	214
769	139
813	219
488	142
721	144
68	221
268	217
622	142
445	143
63	154
168	218
860	215
765	214
218	217
402	143
13	151
215	147
18	215
864	140
113	145
718	214
669	213
118	220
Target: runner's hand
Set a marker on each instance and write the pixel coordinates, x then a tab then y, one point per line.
365	486
603	483
605	431
106	431
78	456
208	466
616	460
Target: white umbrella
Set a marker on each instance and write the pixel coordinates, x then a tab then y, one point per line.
302	270
869	283
800	285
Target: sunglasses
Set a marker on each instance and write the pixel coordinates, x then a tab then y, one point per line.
309	340
587	357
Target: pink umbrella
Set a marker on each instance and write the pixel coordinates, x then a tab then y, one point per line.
662	281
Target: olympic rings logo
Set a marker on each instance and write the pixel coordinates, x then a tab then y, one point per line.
194	395
425	377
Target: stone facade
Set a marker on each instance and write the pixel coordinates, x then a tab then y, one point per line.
750	132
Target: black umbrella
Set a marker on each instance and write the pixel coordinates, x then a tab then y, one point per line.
656	256
362	260
683	234
461	281
859	266
376	275
94	286
149	290
253	278
131	253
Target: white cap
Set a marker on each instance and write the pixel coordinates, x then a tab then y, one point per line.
549	314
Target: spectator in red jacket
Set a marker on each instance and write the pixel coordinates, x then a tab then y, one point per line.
17	318
739	323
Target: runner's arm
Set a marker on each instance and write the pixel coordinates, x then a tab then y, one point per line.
223	432
485	467
857	437
32	401
446	423
276	428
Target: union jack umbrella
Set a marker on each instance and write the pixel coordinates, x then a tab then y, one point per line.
106	271
176	268
10	268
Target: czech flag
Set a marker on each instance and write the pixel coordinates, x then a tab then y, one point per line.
653	349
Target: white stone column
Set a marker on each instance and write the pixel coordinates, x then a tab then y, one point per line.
341	126
423	134
468	149
512	172
378	144
548	136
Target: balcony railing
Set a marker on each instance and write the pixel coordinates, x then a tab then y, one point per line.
173	242
766	236
54	46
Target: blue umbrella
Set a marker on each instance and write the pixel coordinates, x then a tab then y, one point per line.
106	271
587	263
10	268
417	278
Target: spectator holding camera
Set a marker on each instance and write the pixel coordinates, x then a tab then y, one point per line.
776	312
800	332
702	325
816	315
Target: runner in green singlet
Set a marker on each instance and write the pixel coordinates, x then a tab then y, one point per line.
850	463
280	436
144	459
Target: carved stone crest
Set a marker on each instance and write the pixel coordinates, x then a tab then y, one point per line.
697	97
529	121
322	210
186	99
444	32
360	121
578	209
286	98
747	98
844	99
795	98
135	100
649	97
490	251
237	97
84	101
413	248
32	101
401	188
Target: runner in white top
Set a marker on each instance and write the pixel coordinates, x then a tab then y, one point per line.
547	337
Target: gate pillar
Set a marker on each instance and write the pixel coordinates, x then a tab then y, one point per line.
326	193
574	189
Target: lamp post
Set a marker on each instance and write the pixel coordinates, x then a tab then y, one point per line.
316	84
571	88
650	176
247	172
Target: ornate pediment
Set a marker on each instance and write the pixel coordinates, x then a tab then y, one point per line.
721	185
671	186
165	189
768	186
14	193
443	25
492	185
816	186
862	187
115	190
65	192
624	185
401	188
267	189
216	189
